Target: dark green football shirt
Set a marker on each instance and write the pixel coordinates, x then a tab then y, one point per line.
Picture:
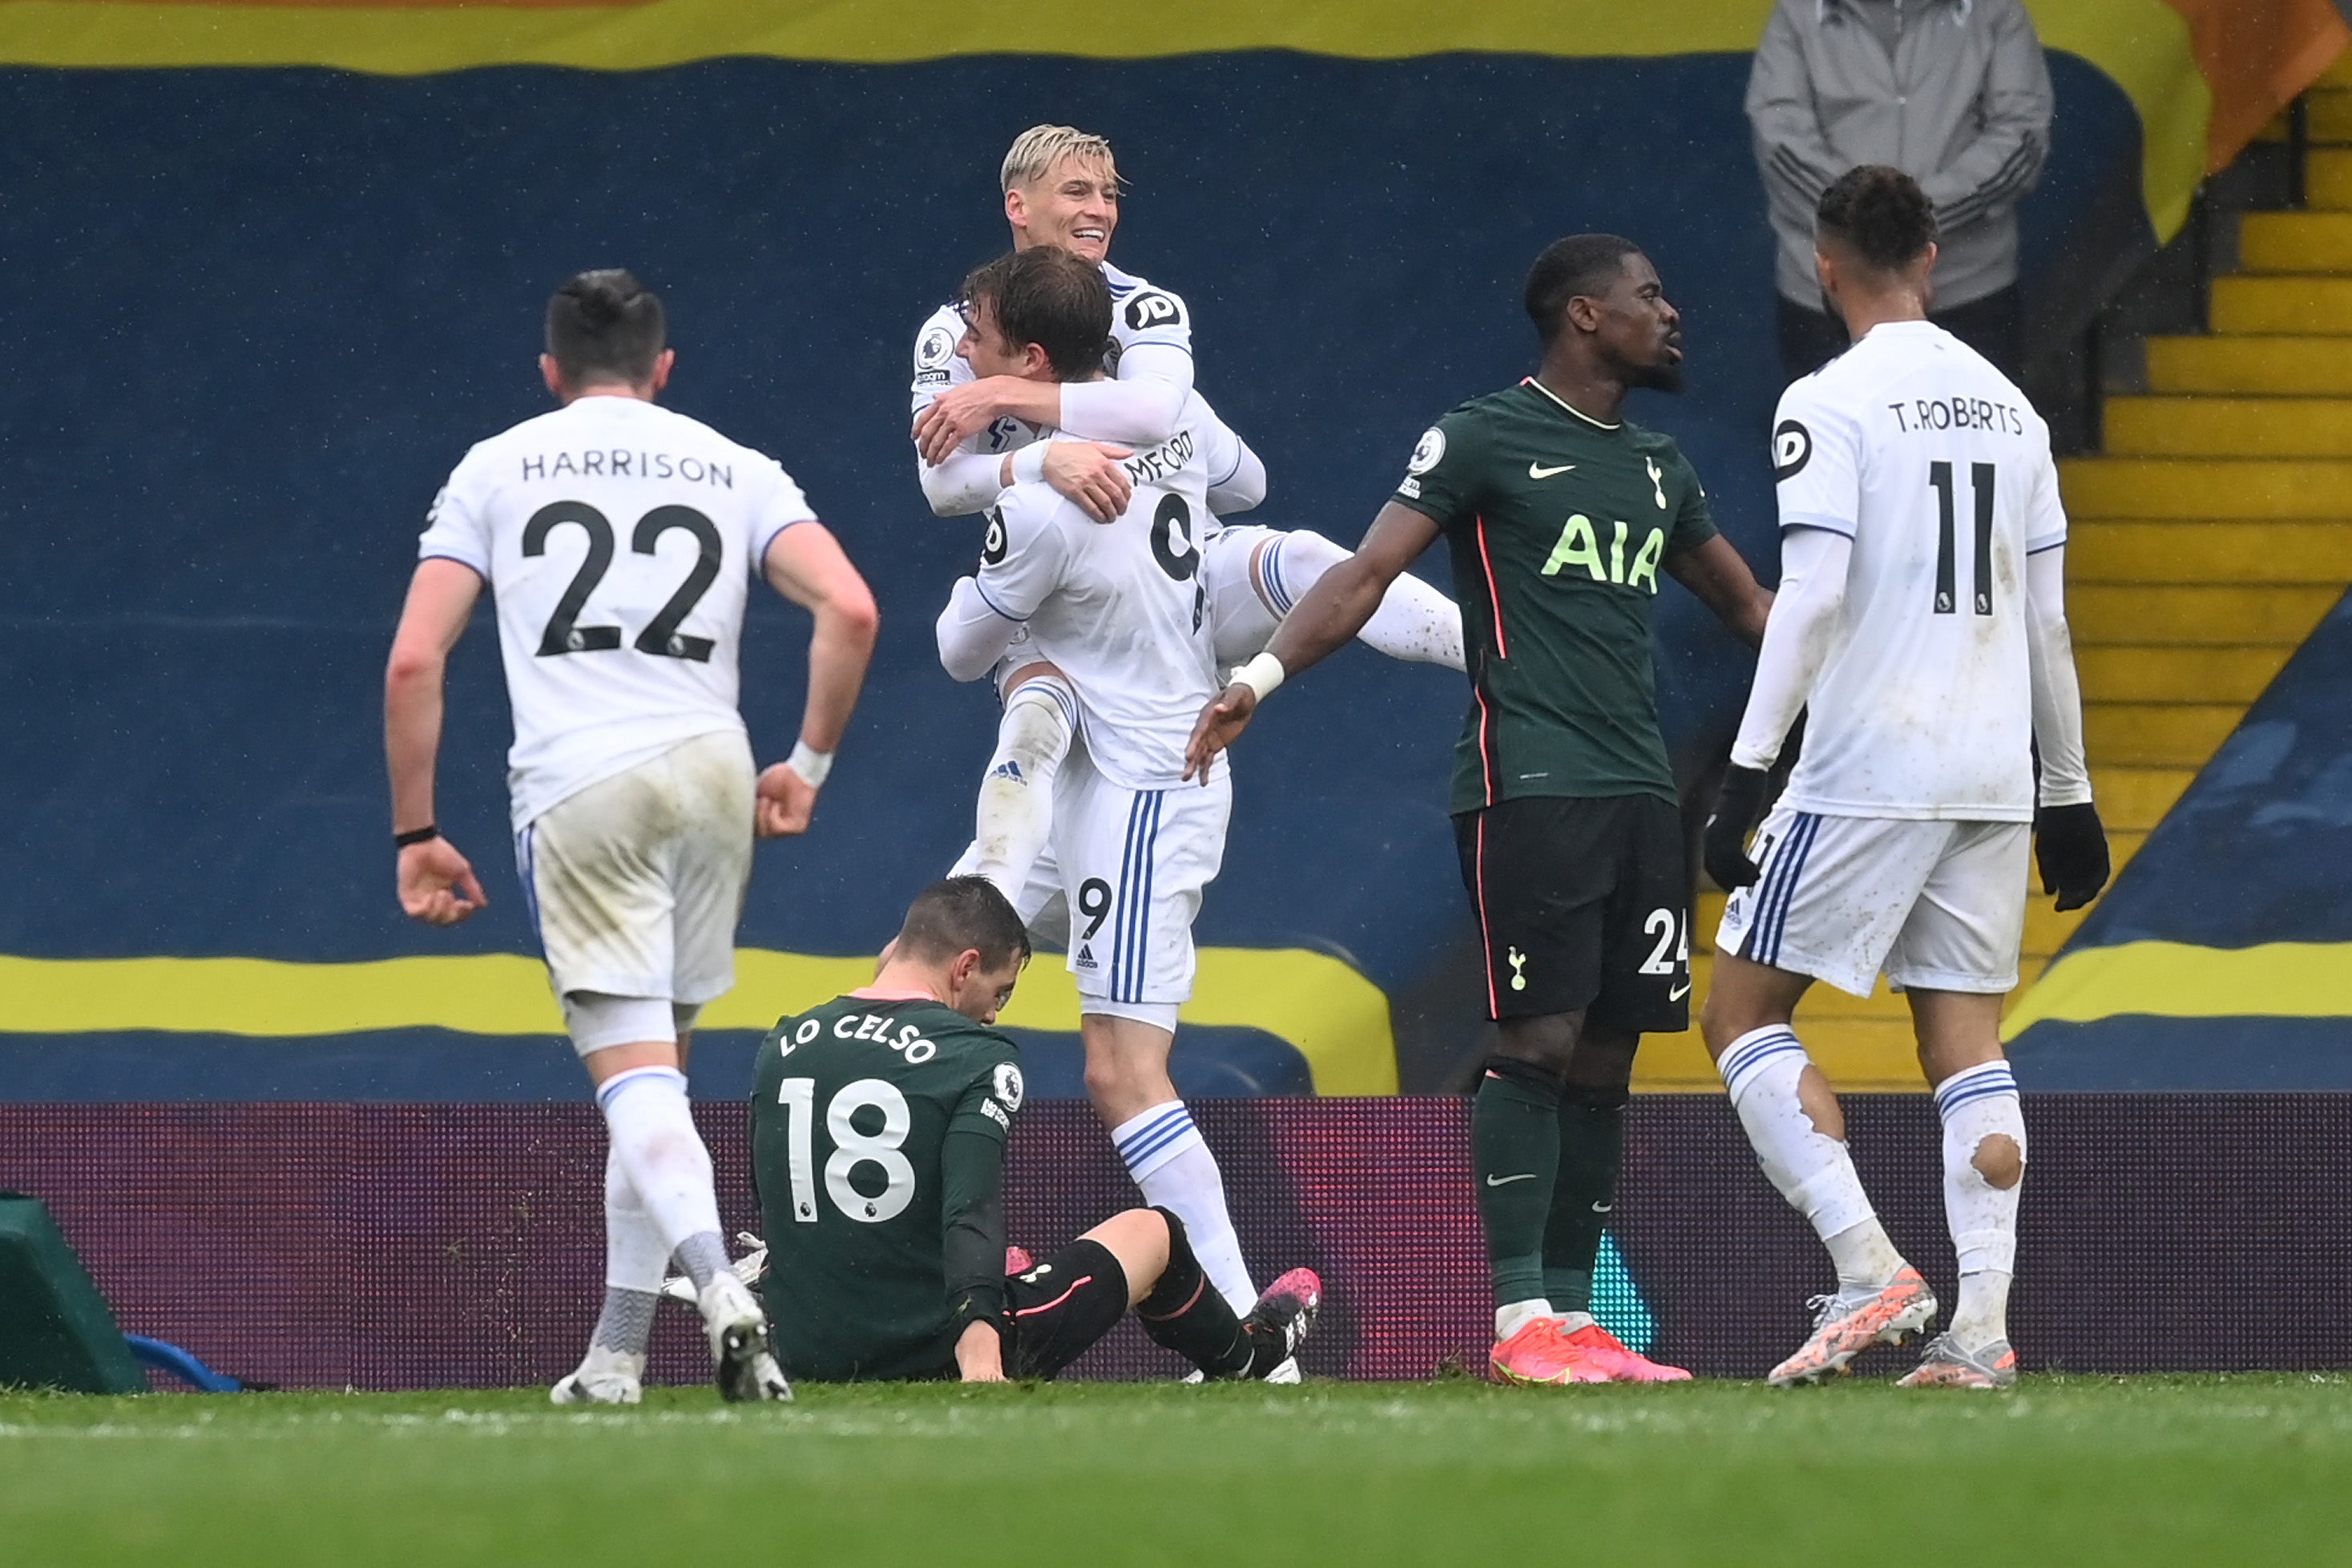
851	1103
1559	526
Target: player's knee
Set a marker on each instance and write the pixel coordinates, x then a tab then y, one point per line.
1544	1077
1998	1160
1603	1067
1287	567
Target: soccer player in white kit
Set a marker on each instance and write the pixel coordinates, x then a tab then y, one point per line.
1123	609
1921	625
978	433
620	540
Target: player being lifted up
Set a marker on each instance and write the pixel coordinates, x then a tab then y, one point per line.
1921	623
1122	609
1562	515
977	433
620	540
878	1124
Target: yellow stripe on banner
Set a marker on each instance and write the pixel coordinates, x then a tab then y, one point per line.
2173	979
1334	1017
408	41
2144	46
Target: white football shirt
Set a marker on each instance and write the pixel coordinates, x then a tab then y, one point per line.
620	540
1140	314
1937	467
1120	607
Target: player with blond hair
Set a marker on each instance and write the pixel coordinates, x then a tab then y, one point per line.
977	436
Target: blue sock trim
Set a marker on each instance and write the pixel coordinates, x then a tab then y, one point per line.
612	1088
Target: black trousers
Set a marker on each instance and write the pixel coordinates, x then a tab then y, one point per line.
1812	338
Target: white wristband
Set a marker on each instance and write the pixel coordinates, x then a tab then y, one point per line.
811	764
1029	462
1261	675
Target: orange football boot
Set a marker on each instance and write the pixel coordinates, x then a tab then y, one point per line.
1843	1331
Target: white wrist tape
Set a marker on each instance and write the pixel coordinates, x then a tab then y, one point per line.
1261	675
811	764
1029	462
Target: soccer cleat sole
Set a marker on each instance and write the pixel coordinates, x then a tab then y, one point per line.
746	1372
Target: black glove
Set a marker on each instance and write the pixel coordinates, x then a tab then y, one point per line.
1738	801
2071	847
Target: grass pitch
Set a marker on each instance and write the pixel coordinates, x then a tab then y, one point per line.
2077	1469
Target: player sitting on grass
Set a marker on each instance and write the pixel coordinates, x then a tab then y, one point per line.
878	1124
620	540
979	427
1922	623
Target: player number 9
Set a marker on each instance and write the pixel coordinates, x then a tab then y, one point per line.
1094	903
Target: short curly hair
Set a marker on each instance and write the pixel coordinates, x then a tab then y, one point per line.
1878	213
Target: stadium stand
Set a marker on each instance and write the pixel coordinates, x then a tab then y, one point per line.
305	291
2228	488
265	308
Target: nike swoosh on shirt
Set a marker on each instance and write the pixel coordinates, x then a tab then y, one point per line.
1506	1181
1677	996
1537	472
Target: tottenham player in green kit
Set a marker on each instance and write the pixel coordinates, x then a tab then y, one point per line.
1562	516
878	1124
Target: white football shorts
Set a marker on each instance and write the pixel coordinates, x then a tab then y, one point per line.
1937	907
1241	621
637	881
1119	885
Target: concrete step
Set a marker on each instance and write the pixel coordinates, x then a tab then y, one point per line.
2327	117
2134	673
2305	302
2327	179
2131	799
2105	614
2229	427
2276	366
2046	930
2158	735
2294	242
2100	549
2156	489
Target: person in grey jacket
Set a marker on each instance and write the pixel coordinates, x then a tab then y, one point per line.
1952	92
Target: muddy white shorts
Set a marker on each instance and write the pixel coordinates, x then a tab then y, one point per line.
1937	907
1117	887
636	882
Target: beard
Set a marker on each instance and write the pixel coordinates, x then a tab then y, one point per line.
1666	376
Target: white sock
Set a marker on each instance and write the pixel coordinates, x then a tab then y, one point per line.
1414	622
636	1256
1811	1170
1976	1103
1513	1316
657	1146
1164	1153
1015	815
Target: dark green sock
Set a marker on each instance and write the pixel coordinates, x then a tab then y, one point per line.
1591	1150
1514	1156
